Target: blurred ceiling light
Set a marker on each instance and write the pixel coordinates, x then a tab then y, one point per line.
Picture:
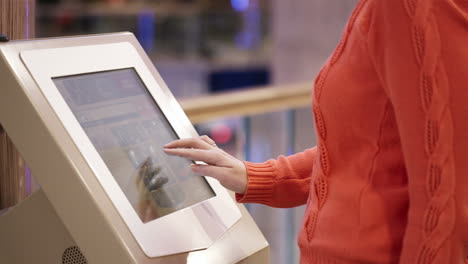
240	5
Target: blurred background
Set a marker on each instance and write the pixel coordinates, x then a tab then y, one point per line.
207	47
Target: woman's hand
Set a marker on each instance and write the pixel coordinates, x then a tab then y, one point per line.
229	171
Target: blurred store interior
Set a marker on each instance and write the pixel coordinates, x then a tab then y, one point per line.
205	48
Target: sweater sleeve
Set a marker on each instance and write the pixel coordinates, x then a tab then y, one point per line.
284	182
421	59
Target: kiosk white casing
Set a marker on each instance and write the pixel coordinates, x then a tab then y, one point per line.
79	203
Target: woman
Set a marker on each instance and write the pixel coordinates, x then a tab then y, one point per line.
388	181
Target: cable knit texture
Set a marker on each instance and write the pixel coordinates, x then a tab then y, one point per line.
388	181
439	217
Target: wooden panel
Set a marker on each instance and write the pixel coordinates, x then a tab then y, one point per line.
17	18
12	173
17	22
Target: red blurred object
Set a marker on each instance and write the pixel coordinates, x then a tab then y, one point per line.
221	133
65	19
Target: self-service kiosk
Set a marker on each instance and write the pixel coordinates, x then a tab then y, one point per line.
90	116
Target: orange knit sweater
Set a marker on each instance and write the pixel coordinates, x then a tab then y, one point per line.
388	181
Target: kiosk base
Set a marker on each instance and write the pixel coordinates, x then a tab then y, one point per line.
33	225
31	232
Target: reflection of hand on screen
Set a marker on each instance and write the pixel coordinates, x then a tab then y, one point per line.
147	180
148	173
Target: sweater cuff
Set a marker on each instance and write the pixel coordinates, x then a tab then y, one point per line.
260	180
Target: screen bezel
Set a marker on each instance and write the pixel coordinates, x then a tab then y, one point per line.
210	218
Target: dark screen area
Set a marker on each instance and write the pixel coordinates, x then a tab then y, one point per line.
129	130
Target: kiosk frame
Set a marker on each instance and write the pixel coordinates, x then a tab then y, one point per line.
208	219
91	217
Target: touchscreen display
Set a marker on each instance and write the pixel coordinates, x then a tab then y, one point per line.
128	129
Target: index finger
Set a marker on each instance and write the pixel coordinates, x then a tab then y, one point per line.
194	143
207	156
